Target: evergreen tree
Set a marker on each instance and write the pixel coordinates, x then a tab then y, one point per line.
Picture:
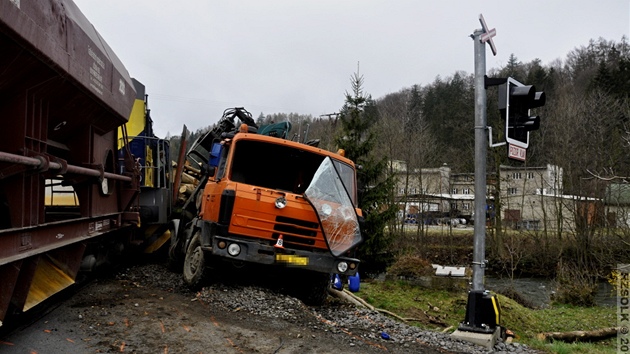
514	68
357	138
414	110
260	120
448	107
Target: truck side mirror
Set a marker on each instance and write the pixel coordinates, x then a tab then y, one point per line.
215	156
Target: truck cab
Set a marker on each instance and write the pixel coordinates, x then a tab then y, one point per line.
278	203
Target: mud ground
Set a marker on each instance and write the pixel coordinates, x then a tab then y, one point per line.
147	309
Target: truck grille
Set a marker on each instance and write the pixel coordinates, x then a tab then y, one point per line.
286	226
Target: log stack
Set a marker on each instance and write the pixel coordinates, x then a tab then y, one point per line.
190	181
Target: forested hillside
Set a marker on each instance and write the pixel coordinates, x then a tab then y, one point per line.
585	129
584	125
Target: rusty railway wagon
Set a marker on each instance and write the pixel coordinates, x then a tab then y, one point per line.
68	190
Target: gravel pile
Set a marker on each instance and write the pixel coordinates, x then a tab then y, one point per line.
375	324
335	316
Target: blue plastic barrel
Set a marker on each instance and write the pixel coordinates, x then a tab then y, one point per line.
354	282
337	282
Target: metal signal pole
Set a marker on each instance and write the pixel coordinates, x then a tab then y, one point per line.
481	149
481	324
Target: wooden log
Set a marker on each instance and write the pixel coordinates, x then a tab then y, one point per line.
579	336
186	178
187	167
186	188
344	296
363	302
350	297
393	315
192	169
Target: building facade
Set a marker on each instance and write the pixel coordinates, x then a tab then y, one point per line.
528	196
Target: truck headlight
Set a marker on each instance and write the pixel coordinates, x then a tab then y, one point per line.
281	202
234	249
342	267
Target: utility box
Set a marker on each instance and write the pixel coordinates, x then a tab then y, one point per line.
483	313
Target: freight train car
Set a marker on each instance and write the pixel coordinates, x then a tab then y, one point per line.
63	96
152	156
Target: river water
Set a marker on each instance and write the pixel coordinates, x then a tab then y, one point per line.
538	291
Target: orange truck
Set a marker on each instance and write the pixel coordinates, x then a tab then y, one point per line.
268	201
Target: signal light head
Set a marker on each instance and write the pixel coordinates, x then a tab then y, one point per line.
515	102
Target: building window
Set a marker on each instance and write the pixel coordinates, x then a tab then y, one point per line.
530	175
466	206
516	175
512	191
454	191
453	206
414	190
466	191
401	191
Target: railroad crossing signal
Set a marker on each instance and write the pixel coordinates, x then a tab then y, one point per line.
487	34
515	102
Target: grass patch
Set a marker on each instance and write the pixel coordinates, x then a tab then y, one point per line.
410	301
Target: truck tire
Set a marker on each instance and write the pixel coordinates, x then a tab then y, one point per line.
195	267
314	290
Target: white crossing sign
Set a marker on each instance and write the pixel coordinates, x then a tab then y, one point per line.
488	34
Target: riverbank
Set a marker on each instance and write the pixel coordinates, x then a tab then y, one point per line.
577	267
539	292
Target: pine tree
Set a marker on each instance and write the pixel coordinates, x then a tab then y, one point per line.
414	110
260	120
358	139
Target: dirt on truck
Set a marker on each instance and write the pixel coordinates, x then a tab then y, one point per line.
266	201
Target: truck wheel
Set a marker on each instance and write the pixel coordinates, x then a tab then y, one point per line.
195	263
315	289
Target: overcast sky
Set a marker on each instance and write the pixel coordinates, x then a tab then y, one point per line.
199	57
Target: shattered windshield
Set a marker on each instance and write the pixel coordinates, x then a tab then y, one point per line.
334	207
282	167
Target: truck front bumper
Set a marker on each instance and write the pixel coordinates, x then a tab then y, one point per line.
255	252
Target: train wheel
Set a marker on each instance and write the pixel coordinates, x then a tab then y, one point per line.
195	266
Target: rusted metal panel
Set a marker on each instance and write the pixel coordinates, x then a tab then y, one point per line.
10	274
63	95
59	34
55	272
20	243
28	268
